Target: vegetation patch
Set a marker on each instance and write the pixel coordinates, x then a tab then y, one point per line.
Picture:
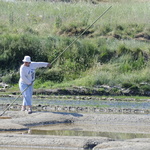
114	51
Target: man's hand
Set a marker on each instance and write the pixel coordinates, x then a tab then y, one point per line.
49	65
31	83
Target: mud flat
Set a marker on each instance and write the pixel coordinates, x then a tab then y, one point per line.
16	132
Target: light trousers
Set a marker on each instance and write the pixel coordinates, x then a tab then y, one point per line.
27	94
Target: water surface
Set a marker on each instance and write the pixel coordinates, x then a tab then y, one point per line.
65	102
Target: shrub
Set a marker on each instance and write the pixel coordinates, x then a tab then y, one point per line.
127	85
55	75
15	47
134	88
122	50
105	55
145	87
104	30
11	78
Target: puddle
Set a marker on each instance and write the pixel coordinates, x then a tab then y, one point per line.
115	136
79	130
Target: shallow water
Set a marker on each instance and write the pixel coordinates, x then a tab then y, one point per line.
80	130
113	135
98	103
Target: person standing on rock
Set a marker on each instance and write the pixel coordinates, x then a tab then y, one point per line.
27	77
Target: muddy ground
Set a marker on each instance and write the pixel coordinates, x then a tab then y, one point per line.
16	131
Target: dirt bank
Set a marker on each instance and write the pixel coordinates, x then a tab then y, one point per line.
118	123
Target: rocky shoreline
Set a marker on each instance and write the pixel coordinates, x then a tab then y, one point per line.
78	109
103	90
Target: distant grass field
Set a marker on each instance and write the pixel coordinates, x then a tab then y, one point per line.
45	17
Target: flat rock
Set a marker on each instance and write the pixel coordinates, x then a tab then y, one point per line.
121	145
47	142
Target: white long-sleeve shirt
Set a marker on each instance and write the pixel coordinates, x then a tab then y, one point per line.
27	74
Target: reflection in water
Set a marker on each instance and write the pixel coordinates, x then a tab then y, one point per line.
113	135
71	129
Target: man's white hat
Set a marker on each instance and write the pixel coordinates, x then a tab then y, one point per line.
27	59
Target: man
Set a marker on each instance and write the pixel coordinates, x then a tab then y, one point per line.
27	77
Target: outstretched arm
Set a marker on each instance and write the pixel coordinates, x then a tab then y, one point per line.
35	65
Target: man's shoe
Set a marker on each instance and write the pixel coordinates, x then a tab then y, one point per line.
29	111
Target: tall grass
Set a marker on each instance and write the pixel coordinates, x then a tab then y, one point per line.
108	75
107	54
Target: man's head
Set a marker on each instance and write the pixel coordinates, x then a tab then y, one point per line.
27	60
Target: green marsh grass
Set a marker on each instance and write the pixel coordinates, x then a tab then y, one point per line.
54	25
